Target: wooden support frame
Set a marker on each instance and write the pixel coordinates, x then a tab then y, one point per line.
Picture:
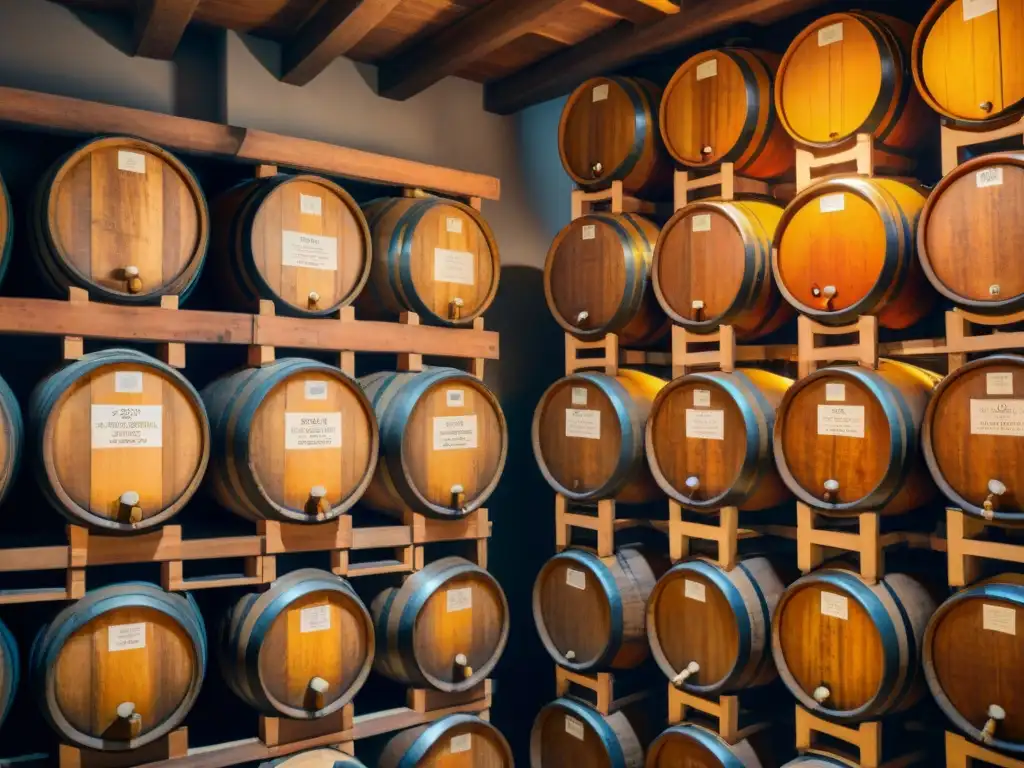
962	339
962	753
965	547
425	700
725	357
954	140
725	531
724	709
604	686
613	356
173	746
861	152
333	730
729	183
866	740
475	527
604	524
584	202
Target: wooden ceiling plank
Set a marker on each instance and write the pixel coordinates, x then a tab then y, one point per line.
159	26
638	11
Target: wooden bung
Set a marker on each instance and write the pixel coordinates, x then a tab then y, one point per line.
455	740
315	758
567	732
10	670
687	744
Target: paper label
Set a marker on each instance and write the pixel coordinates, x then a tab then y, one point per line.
316	618
830	34
574	578
579	395
702	398
600	92
836	606
702	222
315	390
128	382
127	426
589	231
459	599
311	251
990	177
455	398
1002	418
311	205
832	203
999	383
454	266
309	431
707	69
975	8
574	727
835	392
453	224
125	637
841	420
133	162
998	618
585	424
695	590
453	433
705	425
461	743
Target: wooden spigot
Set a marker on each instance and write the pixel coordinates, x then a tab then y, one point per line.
829	293
706	150
691	669
596	168
131	276
318	688
462	666
129	509
570	655
698	310
994	289
313	299
458	496
831	489
692	484
821	694
133	720
986	106
581	317
455	308
996	715
317	503
995	490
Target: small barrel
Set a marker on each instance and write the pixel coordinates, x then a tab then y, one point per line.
121	667
567	732
302	649
6	229
846	438
443	442
294	441
709	440
123	219
687	745
10	669
848	650
315	758
445	628
719	107
597	279
453	740
708	627
12	438
433	256
149	440
589	610
588	436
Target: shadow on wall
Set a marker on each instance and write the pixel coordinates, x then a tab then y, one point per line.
548	188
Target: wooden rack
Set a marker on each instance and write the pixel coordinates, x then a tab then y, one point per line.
725	710
861	154
724	530
964	547
729	184
955	139
605	688
961	753
866	740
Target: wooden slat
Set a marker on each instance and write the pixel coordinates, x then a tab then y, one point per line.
34	559
380	537
159	25
639	11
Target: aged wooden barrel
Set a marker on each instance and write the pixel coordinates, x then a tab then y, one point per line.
10	669
712	266
433	256
589	610
122	218
301	649
315	758
597	279
687	745
121	667
847	438
444	628
295	440
848	650
454	740
12	438
6	229
568	732
149	440
719	107
596	449
709	439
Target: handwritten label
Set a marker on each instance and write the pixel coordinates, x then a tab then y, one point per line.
315	390
705	425
310	251
830	34
128	382
311	205
574	578
1002	418
975	8
702	398
600	92
998	618
459	599
841	420
125	637
455	398
461	743
454	433
127	426
835	392
999	383
990	177
695	590
316	618
589	231
453	224
707	69
574	727
454	266
702	222
836	606
582	423
832	203
132	162
309	431
579	395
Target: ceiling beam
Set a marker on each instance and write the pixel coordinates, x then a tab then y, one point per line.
159	25
639	11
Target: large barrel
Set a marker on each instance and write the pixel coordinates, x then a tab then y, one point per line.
121	667
719	107
597	279
433	256
295	441
588	436
443	442
847	438
10	669
302	649
299	241
688	745
848	650
315	758
149	440
589	610
454	740
12	438
123	219
849	73
709	439
6	229
712	266
568	732
846	247
444	628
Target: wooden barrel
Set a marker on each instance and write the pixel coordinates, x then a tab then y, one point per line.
567	732
815	759
454	740
609	132
12	438
589	610
315	758
301	649
709	440
712	266
6	229
719	107
597	279
444	628
295	440
443	442
121	667
123	219
848	650
687	745
596	449
849	73
433	256
846	438
149	440
10	669
299	241
845	248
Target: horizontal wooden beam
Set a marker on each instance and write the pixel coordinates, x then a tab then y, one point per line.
159	26
639	11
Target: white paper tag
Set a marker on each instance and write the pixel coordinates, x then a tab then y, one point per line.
574	578
702	398
589	231
133	162
455	398
579	395
461	743
453	433
574	727
457	267
125	637
311	251
835	392
701	222
832	203
707	69
311	205
836	606
975	8
127	426
998	618
309	431
1003	418
600	92
585	424
453	224
315	390
705	425
830	34
316	618
841	420
990	177
128	382
999	383
459	599
695	590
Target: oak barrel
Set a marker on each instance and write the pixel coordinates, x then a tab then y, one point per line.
299	241
589	610
6	229
12	438
121	667
688	745
443	442
455	740
149	440
588	436
597	279
10	669
815	759
122	218
848	650
315	758
302	649
444	628
433	256
712	266
295	440
567	732
709	439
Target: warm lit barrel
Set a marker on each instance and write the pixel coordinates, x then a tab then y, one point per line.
719	107
455	740
709	439
567	732
686	744
444	628
6	229
588	436
712	266
123	219
295	440
121	667
597	279
847	438
12	438
433	256
148	440
315	758
849	650
9	671
589	610
301	649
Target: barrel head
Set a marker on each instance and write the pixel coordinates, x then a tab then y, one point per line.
597	131
570	735
572	610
